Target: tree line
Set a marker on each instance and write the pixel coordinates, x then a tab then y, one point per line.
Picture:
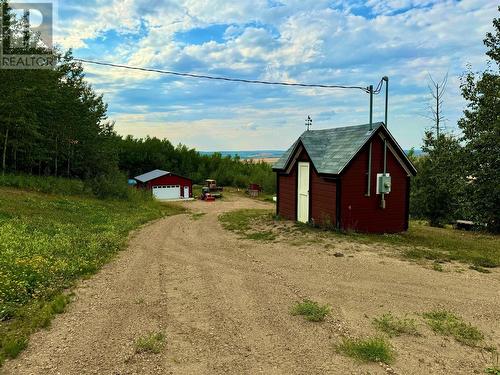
53	123
459	176
51	120
137	156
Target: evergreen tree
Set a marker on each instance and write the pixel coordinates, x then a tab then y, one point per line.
481	134
438	189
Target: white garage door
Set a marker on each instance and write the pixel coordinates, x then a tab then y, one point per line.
164	192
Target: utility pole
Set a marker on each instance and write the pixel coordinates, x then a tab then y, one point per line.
369	174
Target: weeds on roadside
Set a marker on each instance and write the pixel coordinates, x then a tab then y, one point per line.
448	324
151	343
261	236
479	269
395	326
373	349
33	316
436	266
12	346
495	370
47	242
311	310
197	215
241	221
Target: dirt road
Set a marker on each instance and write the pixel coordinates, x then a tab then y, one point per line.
223	304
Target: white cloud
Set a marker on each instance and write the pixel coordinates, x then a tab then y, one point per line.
312	41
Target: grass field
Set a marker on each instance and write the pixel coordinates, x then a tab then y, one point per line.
419	242
47	242
445	244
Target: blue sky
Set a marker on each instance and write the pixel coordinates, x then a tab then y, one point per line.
321	41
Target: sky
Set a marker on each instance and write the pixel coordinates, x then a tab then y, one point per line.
326	42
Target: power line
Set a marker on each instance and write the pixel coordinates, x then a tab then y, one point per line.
220	78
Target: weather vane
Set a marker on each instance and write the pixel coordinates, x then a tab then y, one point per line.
309	122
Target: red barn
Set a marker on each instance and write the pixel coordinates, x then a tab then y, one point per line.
166	185
336	177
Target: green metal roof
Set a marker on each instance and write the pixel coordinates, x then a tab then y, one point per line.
331	150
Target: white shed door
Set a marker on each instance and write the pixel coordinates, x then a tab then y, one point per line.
165	192
303	193
186	192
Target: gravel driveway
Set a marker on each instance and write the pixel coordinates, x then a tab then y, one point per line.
223	304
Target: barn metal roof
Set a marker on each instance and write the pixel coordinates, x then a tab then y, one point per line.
331	150
151	175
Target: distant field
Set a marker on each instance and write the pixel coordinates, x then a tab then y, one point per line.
265	155
265	160
47	242
246	155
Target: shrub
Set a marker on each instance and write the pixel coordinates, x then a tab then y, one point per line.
111	185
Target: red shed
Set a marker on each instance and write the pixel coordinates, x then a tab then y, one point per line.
166	185
351	178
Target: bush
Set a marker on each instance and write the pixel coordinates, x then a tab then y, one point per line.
111	185
438	188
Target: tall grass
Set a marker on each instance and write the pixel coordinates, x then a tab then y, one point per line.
111	186
52	185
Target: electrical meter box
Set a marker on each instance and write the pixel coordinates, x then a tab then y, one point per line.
383	183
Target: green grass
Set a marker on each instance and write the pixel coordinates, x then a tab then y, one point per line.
196	191
394	326
261	236
448	324
310	310
241	221
197	215
446	244
49	184
47	242
150	343
494	369
374	349
436	266
420	242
